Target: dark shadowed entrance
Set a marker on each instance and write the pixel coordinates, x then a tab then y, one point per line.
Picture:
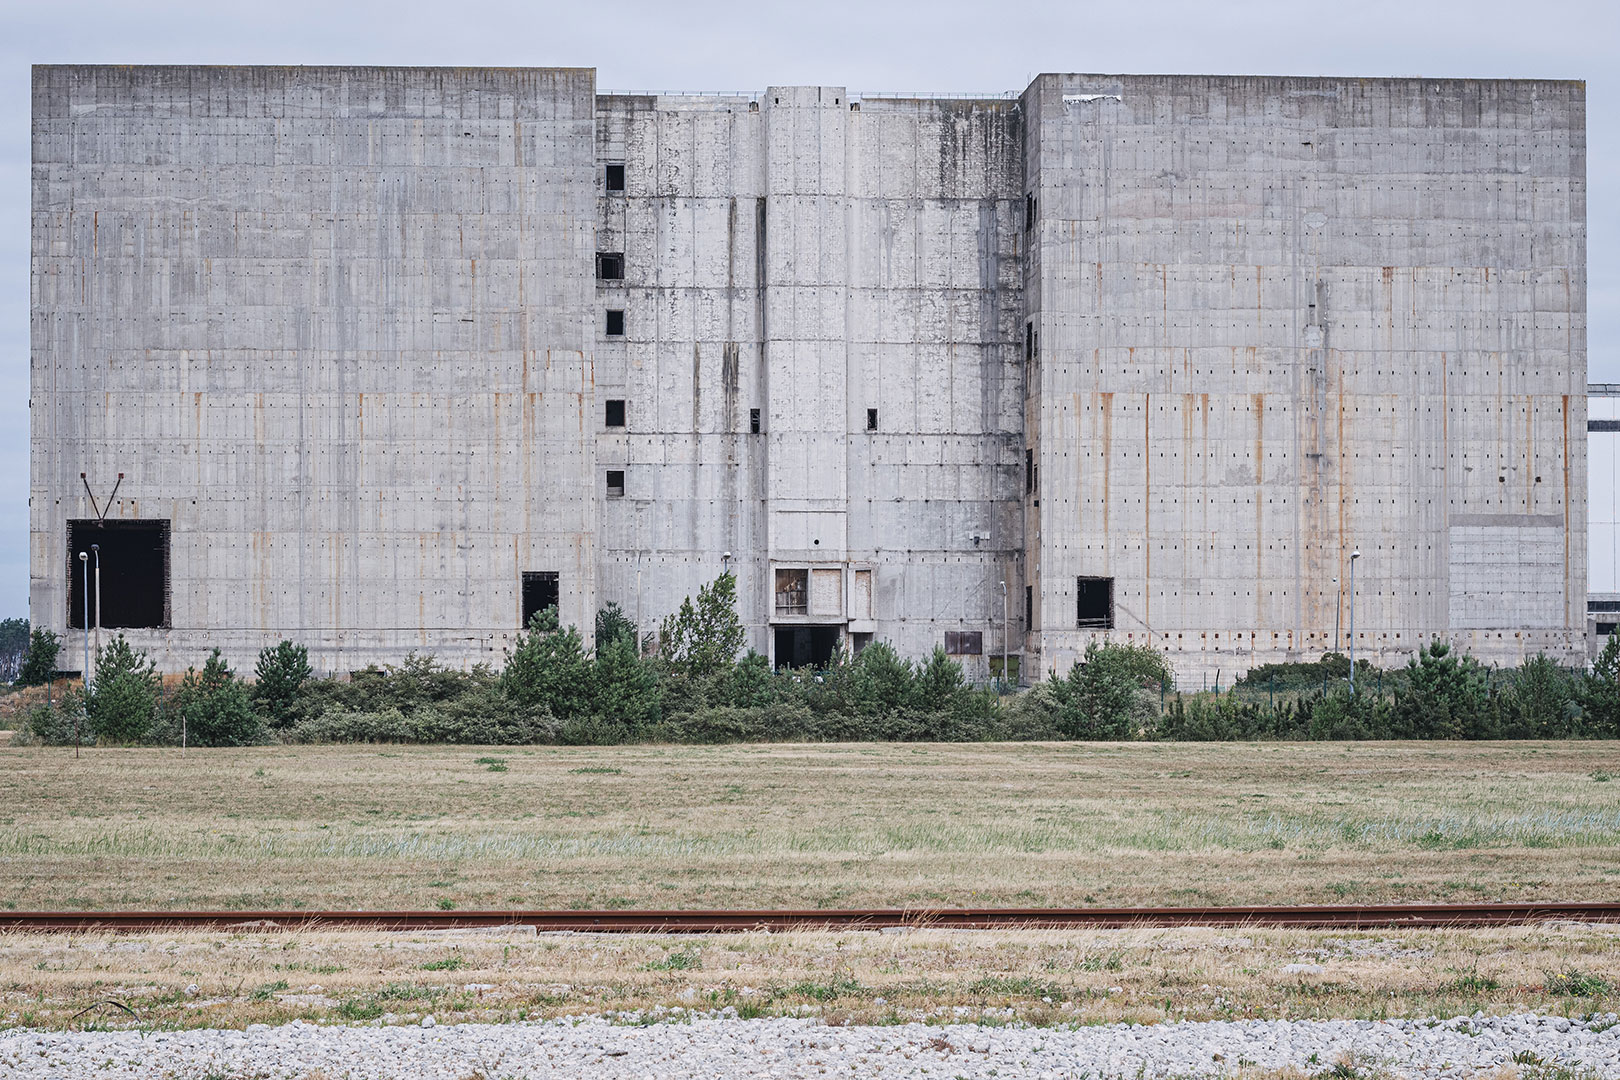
805	646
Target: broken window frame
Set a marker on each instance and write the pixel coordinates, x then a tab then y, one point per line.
1092	612
792	590
610	266
615	490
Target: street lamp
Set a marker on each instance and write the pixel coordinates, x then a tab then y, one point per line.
95	555
1354	555
1006	631
1338	604
84	568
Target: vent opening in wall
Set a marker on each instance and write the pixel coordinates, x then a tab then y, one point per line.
613	179
871	419
610	265
615	416
134	558
1029	607
1094	603
1029	472
615	483
540	591
753	421
1030	207
615	324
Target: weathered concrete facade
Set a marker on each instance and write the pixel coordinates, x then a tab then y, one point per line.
395	351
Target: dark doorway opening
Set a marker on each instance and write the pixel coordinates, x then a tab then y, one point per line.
805	646
134	559
1095	603
540	591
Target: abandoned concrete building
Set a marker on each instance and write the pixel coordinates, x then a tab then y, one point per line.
386	359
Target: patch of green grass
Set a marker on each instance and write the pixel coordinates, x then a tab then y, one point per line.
1601	776
447	963
493	764
679	960
446	904
263	993
1572	983
836	987
1471	983
1016	986
606	770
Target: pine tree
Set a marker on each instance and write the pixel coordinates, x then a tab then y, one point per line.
282	670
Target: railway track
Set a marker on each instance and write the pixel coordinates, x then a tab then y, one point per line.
1329	917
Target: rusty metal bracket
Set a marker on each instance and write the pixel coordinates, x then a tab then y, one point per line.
101	513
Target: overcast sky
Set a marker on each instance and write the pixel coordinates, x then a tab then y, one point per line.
944	45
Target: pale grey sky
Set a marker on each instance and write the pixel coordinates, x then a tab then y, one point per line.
941	45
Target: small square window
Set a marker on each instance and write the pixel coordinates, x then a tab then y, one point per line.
615	324
610	265
871	419
615	483
753	421
615	418
614	179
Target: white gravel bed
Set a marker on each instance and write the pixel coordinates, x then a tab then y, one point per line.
596	1049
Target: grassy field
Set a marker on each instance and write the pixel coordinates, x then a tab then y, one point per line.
1045	978
811	826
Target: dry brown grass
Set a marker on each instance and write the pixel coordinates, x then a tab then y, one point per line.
792	825
1046	977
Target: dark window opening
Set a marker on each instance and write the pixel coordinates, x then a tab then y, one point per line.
753	421
1603	605
1094	608
1029	211
613	179
1029	472
1029	607
871	419
964	642
615	324
615	483
1604	629
540	591
858	643
805	646
793	592
615	415
1031	343
134	558
610	265
1603	425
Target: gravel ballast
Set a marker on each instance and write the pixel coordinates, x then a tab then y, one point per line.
710	1046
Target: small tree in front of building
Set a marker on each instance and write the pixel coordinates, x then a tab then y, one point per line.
699	643
1600	692
123	699
214	707
548	667
39	665
281	672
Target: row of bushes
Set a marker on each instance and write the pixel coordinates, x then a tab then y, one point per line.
693	688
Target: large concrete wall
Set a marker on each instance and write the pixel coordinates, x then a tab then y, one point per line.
815	258
1284	319
333	324
344	330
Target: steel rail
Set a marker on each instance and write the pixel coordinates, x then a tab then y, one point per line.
1325	917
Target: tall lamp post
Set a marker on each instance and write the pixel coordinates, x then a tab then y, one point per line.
84	568
95	557
1354	555
1338	605
1006	629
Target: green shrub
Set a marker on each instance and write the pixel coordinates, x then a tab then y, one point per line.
55	724
698	646
548	669
39	665
1112	693
1540	700
15	641
485	719
214	707
281	672
1446	697
614	625
123	700
624	687
1599	693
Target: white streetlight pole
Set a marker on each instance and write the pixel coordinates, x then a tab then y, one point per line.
1006	632
1338	605
1354	555
95	556
84	568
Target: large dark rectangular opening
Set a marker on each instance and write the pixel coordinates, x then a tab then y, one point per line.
1095	603
540	591
134	558
805	646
